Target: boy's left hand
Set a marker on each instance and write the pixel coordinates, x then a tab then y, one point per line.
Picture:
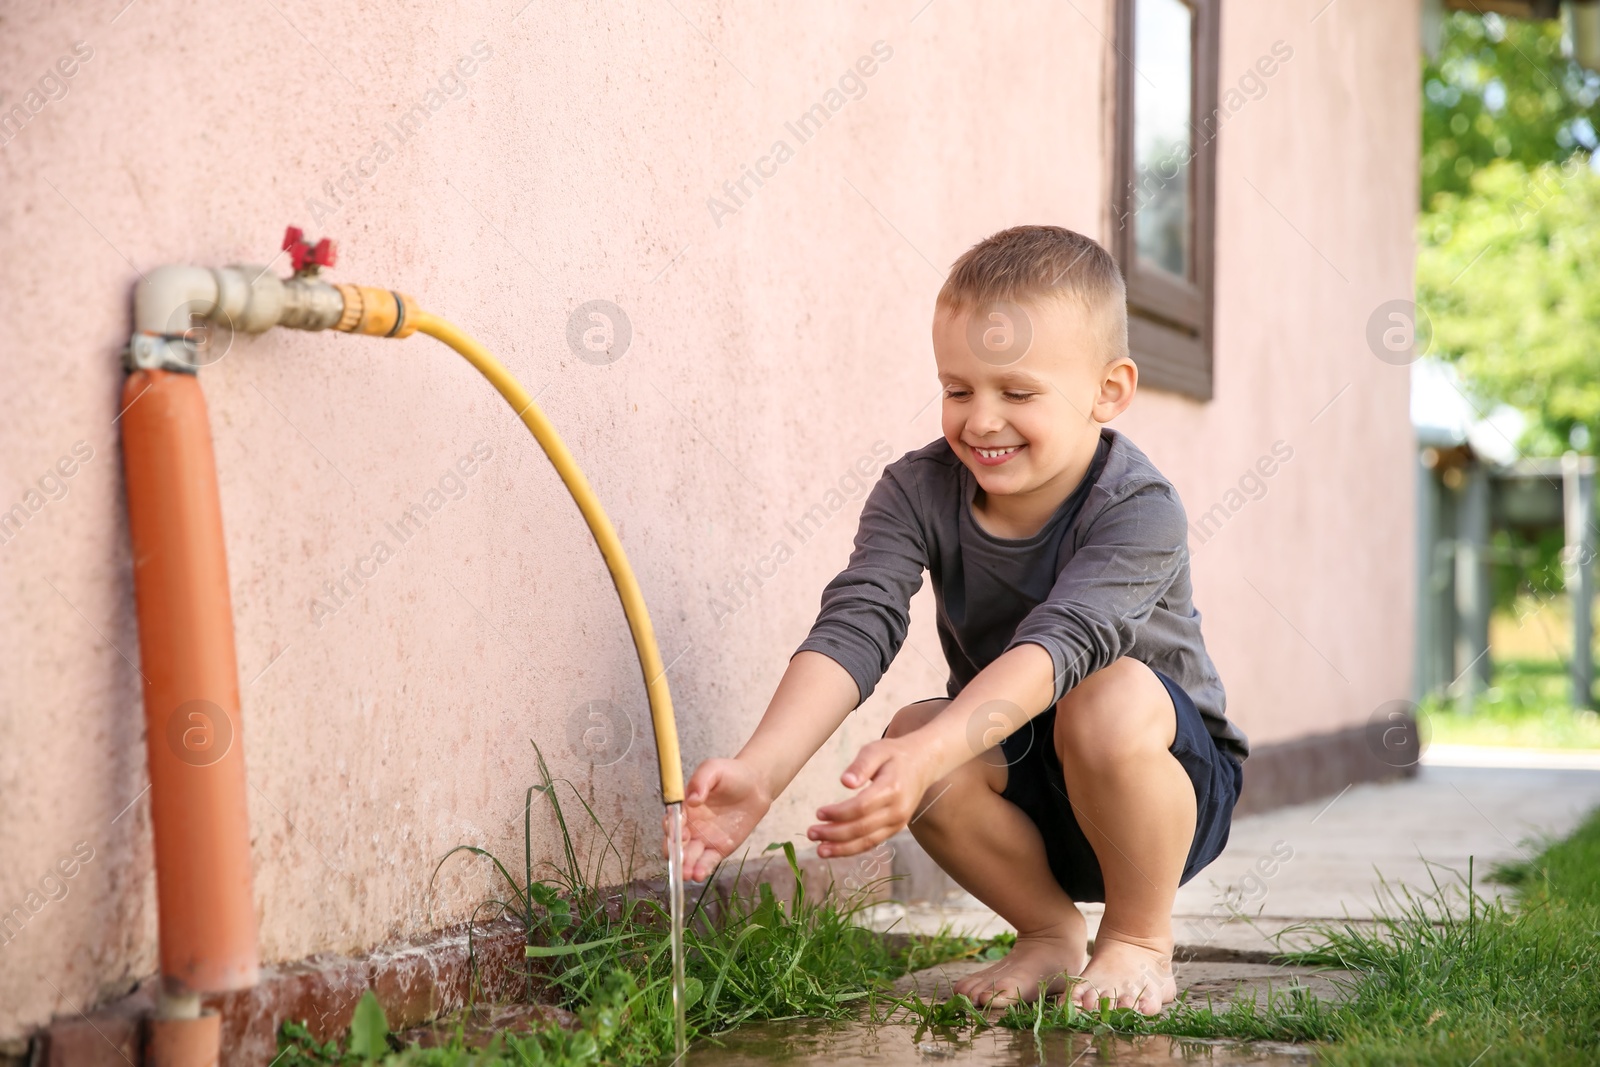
895	777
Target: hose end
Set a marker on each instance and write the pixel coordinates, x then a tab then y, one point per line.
377	312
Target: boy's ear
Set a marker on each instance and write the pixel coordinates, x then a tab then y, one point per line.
1119	381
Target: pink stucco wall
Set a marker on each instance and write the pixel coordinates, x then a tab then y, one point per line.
772	347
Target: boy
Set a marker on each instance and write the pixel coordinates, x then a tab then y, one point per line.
1082	752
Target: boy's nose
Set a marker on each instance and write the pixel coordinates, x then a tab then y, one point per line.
985	417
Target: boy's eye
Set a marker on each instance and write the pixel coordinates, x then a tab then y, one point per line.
958	394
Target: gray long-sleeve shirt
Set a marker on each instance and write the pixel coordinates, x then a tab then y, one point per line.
1107	577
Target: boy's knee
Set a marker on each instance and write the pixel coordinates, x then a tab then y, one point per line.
913	716
1119	713
940	807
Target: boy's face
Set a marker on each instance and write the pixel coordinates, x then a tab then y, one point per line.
1029	386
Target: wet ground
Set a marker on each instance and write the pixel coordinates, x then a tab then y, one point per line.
856	1042
1216	984
851	1044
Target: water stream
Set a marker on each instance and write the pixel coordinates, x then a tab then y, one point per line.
675	893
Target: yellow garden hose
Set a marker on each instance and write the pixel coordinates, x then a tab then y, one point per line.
633	606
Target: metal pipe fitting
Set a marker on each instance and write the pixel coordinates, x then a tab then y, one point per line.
169	302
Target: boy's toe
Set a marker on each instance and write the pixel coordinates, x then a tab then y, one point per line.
970	986
1001	1000
1086	996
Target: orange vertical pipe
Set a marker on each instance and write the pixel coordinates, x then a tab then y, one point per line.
191	692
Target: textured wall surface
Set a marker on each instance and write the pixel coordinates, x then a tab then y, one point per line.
775	340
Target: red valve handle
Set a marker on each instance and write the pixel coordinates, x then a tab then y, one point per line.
305	256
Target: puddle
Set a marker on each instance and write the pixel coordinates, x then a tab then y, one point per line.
1216	984
848	1044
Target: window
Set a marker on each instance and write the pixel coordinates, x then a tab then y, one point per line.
1163	205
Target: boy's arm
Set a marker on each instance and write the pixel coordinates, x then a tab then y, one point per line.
866	608
898	770
863	622
814	698
725	798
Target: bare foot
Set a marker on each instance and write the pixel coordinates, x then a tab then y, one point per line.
1134	972
1041	959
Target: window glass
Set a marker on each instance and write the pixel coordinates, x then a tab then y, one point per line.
1162	33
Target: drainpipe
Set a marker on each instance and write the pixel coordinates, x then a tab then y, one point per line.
191	703
193	729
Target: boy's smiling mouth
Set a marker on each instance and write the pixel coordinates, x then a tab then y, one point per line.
992	457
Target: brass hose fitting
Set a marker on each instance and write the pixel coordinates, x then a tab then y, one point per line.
377	312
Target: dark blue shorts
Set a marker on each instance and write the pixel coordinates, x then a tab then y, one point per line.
1036	784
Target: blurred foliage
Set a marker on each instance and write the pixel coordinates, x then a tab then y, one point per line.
1526	564
1506	274
1501	89
1528	706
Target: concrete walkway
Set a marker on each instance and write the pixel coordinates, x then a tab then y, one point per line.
1324	860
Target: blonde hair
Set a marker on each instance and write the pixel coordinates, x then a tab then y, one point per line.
1026	264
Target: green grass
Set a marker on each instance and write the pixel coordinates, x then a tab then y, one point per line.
1499	986
605	956
1529	706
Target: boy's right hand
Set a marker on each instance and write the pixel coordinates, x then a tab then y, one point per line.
722	803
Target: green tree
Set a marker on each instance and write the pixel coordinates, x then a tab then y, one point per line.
1501	89
1509	276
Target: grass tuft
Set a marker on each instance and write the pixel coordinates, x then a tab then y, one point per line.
606	956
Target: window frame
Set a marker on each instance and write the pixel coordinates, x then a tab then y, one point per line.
1170	320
